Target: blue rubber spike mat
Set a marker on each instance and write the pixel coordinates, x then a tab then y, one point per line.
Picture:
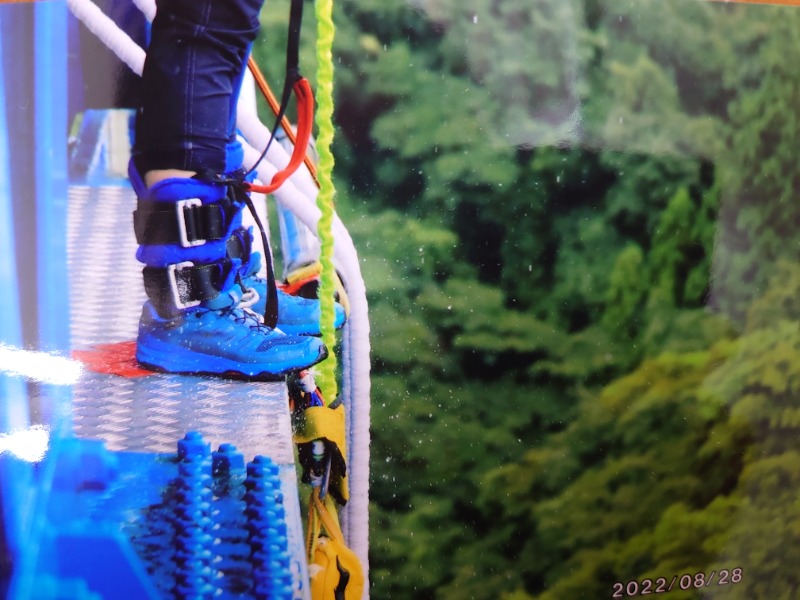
195	523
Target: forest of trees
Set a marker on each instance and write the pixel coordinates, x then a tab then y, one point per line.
579	229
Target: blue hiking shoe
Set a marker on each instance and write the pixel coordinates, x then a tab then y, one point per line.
197	319
296	315
229	342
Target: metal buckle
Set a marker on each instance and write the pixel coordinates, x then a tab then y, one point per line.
182	229
173	285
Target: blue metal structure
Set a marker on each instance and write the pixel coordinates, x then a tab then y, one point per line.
32	208
35	77
14	474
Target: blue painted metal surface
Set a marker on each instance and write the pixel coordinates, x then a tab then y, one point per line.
15	475
75	538
10	327
50	159
16	36
34	133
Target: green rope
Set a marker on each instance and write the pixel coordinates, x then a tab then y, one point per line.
326	374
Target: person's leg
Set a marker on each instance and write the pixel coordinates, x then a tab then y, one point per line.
190	81
186	225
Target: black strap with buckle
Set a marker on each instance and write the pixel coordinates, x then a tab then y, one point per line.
184	285
238	194
186	222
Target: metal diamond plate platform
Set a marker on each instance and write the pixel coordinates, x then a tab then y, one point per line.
149	413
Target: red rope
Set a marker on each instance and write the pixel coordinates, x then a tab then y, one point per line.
305	120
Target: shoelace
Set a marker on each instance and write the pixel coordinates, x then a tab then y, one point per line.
249	297
244	316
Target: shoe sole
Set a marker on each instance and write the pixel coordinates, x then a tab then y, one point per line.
226	369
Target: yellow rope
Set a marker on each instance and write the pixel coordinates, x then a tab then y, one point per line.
326	373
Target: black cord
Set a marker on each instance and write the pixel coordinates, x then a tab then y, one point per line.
292	73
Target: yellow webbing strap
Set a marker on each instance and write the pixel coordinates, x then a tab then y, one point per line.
328	424
311	272
336	573
304	273
321	422
321	513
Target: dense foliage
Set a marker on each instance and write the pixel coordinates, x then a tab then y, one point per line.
578	226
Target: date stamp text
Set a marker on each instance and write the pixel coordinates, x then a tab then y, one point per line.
687	581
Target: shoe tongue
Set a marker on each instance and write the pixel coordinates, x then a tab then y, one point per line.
227	299
231	293
253	266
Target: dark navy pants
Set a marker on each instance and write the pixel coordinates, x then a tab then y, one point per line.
192	74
